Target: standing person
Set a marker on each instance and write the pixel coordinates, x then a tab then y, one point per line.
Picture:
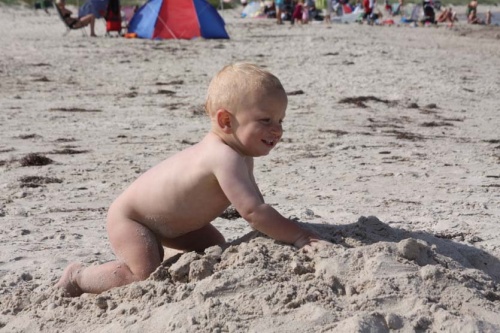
174	203
76	23
298	12
329	9
309	7
488	17
368	6
280	6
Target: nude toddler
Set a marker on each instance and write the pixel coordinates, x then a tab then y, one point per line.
172	204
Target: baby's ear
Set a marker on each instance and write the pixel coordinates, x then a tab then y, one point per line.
224	120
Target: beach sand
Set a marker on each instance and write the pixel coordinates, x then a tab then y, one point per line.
391	151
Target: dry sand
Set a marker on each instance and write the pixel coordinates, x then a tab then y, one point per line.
391	151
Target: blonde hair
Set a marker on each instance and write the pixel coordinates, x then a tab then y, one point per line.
234	82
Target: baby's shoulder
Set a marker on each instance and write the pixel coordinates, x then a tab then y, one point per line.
215	147
219	152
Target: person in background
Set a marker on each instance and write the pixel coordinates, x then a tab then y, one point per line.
488	17
76	23
369	15
471	12
429	13
280	6
472	17
447	15
298	12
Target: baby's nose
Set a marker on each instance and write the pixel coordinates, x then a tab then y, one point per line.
277	130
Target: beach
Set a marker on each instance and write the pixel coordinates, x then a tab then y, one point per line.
391	151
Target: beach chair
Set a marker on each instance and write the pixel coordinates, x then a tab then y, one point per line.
395	9
411	13
68	27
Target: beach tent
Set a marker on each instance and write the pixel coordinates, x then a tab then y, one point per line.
177	19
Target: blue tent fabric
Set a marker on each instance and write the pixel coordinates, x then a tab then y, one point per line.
159	19
207	16
144	20
96	7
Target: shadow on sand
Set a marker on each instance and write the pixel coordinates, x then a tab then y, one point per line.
370	230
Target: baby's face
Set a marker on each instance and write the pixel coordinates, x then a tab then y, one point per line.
258	127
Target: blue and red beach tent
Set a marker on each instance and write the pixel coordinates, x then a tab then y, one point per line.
177	19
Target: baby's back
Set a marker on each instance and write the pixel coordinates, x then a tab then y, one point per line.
179	195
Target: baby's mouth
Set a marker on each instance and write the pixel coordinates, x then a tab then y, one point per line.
269	143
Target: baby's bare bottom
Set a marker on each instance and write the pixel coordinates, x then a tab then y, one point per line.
139	252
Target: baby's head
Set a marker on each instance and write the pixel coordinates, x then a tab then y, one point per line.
239	85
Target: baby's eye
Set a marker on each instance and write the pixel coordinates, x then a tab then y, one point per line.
266	120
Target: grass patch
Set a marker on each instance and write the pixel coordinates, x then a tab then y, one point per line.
12	2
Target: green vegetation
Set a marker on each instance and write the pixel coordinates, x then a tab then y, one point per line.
10	2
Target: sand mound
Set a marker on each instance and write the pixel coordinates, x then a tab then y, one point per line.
421	282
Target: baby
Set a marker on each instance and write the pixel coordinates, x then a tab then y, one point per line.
173	203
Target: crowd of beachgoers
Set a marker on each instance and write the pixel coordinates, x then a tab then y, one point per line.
428	12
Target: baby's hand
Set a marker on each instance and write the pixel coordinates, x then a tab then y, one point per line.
306	238
316	246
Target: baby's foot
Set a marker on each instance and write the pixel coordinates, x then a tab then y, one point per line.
68	280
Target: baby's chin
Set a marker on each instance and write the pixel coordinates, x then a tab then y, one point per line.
264	153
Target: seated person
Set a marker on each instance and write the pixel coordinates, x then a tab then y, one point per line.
270	10
429	14
471	13
76	23
447	15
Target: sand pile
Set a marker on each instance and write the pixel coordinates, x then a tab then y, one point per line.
372	279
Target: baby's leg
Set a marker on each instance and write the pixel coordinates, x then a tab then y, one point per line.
197	240
138	251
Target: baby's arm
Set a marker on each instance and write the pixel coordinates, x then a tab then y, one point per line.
236	180
269	221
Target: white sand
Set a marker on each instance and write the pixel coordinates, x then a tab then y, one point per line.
423	161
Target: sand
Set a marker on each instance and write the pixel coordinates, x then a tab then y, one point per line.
391	151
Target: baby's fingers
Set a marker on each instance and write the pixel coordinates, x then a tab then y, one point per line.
316	246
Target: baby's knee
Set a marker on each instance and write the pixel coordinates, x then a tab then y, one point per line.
132	274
